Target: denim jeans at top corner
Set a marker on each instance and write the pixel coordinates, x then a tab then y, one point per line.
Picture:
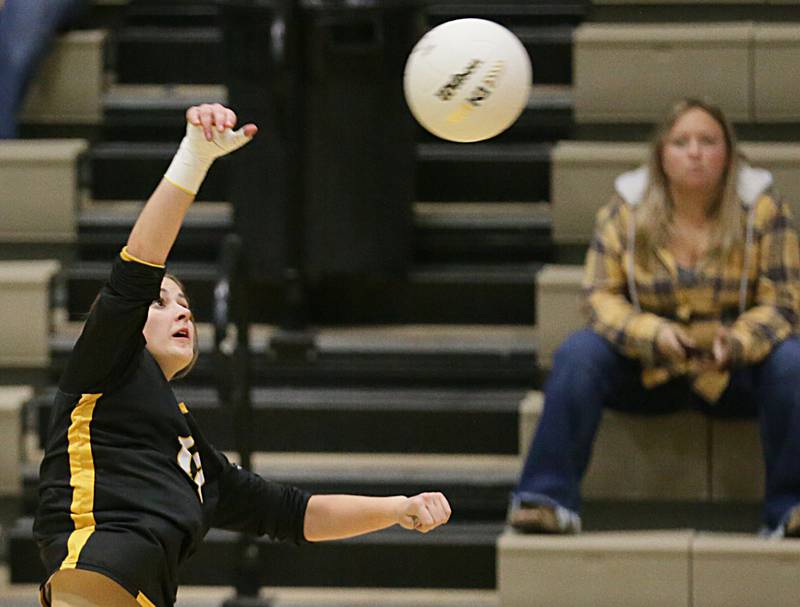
588	374
27	28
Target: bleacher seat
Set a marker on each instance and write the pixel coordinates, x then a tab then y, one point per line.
732	570
558	300
40	194
669	568
618	569
25	312
633	72
69	86
776	53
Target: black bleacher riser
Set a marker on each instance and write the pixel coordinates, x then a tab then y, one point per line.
155	48
480	499
501	370
102	240
454	237
483	172
162	55
455	556
482	296
483	245
131	171
445	172
355	421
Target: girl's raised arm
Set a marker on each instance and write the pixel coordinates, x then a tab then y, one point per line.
209	135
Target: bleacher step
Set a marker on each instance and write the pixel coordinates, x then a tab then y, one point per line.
143	165
142	112
449	172
493	170
24	595
156	54
496	356
499	293
444	232
334	419
476	486
458	555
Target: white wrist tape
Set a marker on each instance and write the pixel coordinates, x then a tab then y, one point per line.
195	155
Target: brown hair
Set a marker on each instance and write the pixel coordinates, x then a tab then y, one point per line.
195	341
654	216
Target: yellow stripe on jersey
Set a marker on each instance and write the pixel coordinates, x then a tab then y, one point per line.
128	257
81	470
183	408
143	600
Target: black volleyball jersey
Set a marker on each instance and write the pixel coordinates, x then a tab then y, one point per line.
129	486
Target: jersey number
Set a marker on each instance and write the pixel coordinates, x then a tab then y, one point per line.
189	461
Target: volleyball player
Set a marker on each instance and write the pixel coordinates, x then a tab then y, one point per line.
129	486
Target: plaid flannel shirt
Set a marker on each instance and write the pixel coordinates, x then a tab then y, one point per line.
712	296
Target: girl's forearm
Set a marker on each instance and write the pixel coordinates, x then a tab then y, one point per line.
157	227
331	517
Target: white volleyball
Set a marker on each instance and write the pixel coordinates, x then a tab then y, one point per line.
467	80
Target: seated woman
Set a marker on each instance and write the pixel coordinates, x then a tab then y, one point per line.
692	294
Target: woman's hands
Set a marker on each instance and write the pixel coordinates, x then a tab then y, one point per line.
673	342
676	345
424	512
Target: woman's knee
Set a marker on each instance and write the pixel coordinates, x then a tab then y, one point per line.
81	588
584	349
782	364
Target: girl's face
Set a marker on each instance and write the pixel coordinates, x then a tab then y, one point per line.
169	329
695	154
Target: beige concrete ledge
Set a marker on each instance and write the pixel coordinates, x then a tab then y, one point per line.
40	194
69	86
634	73
25	312
638	457
744	571
12	398
598	569
558	308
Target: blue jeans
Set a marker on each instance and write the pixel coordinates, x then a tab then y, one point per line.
589	374
27	28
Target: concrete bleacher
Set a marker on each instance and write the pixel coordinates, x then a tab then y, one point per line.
69	86
41	193
583	173
630	72
25	312
12	399
669	568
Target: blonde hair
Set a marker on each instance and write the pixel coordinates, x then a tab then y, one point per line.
654	214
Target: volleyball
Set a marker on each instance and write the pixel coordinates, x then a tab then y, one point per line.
467	80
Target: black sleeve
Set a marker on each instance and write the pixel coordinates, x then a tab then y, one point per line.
112	336
251	504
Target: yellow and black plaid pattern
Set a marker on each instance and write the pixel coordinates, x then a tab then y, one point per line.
710	296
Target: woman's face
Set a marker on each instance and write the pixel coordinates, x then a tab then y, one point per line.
695	154
169	329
